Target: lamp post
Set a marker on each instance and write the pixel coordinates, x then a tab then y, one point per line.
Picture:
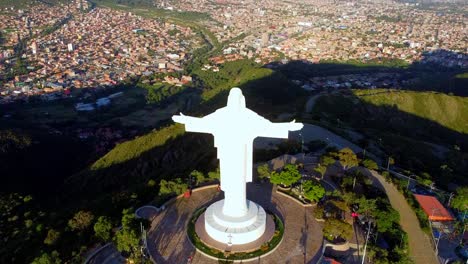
302	147
438	237
410	178
367	239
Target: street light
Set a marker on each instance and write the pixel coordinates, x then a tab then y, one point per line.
410	178
438	238
367	239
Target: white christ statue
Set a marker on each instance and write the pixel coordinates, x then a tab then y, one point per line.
234	128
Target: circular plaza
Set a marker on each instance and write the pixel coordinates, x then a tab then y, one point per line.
168	242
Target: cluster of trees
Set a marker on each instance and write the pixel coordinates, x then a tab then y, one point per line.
82	225
178	186
159	93
290	176
373	205
287	176
11	141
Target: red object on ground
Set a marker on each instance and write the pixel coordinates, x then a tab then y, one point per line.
329	261
433	208
354	214
187	194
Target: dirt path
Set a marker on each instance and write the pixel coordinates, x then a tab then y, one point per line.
419	243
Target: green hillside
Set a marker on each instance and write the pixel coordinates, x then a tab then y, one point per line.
448	111
404	124
134	148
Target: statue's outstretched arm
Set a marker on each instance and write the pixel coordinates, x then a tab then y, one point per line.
280	130
193	124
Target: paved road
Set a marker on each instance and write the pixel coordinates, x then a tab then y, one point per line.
311	102
419	243
168	242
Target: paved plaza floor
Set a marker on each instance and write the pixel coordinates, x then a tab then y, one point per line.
168	241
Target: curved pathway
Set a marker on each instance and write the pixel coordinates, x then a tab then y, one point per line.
168	242
419	243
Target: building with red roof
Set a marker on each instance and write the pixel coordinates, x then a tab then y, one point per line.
434	210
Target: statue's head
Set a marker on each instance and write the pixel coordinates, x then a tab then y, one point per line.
235	99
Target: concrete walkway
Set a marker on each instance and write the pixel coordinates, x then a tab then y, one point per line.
419	243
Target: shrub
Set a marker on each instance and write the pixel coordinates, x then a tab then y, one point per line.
52	237
337	229
318	212
81	220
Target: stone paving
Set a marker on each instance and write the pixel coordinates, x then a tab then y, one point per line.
168	241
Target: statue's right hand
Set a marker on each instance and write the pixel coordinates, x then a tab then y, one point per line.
179	118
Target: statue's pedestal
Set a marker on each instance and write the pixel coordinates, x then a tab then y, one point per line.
235	230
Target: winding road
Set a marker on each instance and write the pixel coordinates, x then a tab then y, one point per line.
419	243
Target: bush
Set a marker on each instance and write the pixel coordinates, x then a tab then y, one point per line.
81	220
52	237
318	212
336	229
370	164
102	228
288	176
313	190
172	187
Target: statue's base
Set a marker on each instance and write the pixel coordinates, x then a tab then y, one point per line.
235	230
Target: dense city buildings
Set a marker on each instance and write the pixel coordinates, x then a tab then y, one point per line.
100	47
90	47
324	30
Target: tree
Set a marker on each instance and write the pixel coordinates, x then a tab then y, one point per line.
289	175
102	228
347	158
335	229
172	187
52	237
263	171
368	207
198	175
128	238
386	219
327	160
52	258
214	175
370	164
151	183
81	220
313	190
321	169
349	198
460	201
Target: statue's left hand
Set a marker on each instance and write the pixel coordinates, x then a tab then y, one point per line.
293	126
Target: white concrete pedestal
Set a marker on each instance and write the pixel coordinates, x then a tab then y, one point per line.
235	230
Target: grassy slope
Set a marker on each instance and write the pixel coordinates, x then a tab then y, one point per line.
134	148
401	123
448	111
